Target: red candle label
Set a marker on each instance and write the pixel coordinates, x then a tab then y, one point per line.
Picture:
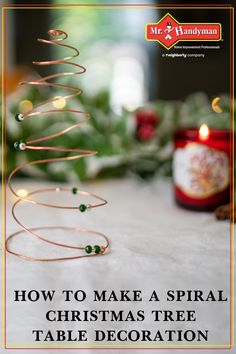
200	171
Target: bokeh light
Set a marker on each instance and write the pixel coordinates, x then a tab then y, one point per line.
59	103
215	105
22	193
25	105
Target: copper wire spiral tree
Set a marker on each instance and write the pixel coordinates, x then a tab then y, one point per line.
87	250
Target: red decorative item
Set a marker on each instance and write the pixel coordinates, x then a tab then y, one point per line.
146	121
202	168
146	116
145	132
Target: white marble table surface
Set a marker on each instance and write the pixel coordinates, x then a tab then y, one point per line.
155	245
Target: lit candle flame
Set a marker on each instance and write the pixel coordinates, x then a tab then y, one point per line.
203	132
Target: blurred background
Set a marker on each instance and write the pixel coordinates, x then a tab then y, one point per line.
136	97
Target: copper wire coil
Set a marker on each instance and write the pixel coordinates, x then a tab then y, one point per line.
34	259
76	154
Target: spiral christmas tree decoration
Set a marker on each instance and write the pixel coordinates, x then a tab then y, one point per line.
102	242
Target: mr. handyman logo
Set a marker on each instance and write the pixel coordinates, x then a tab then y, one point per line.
168	31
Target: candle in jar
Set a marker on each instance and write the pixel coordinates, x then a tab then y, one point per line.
201	168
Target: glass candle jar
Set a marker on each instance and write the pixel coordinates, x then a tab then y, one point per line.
201	168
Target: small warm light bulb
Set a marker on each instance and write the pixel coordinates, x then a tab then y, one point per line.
203	132
25	106
22	193
59	103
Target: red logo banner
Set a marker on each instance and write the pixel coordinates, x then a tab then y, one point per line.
168	31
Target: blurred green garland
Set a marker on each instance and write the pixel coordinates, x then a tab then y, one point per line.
113	136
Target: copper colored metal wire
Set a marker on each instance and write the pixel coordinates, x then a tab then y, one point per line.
75	154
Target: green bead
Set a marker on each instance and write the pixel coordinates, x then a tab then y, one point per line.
82	208
97	249
19	117
88	249
74	190
16	145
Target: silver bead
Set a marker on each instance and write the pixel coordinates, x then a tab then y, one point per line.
19	117
22	146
